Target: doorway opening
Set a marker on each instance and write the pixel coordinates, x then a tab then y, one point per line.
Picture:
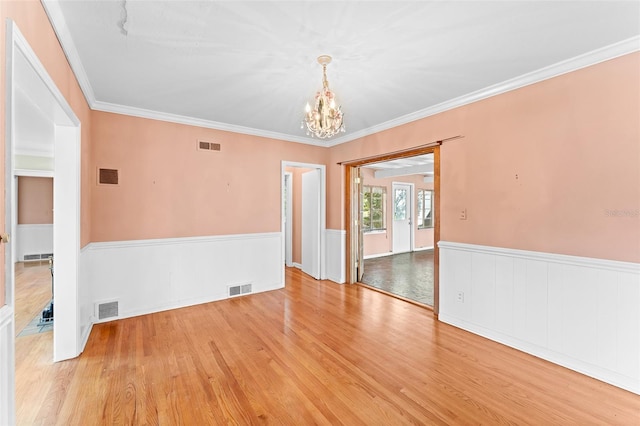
405	183
33	243
303	204
398	227
26	76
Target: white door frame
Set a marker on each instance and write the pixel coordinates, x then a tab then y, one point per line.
66	333
323	210
288	218
410	207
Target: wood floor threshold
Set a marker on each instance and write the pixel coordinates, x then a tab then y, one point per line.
395	296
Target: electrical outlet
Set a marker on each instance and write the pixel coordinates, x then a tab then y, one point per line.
460	297
463	214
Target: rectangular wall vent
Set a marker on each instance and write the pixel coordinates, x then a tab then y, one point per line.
41	256
239	290
107	310
108	176
208	146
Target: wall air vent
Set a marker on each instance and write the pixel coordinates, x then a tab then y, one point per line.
239	290
107	310
208	146
41	256
108	176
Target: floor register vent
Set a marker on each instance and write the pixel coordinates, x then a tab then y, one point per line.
107	310
239	290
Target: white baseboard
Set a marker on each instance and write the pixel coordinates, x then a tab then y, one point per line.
587	369
577	312
378	255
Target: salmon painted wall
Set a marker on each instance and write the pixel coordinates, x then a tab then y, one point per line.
168	188
552	167
35	200
34	25
382	242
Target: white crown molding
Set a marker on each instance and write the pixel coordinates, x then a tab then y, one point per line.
58	22
198	122
594	57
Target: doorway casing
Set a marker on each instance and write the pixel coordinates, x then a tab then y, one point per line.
351	212
24	69
321	169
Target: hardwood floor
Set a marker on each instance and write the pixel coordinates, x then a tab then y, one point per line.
312	353
33	291
407	275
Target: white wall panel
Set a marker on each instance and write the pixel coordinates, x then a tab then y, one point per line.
85	299
504	296
519	318
578	312
581	313
33	239
7	365
483	278
628	330
556	307
335	257
536	302
154	275
606	319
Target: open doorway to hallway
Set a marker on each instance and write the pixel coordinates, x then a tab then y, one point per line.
33	242
304	217
30	88
398	221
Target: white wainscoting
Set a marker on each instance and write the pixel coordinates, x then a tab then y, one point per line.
336	251
33	239
577	312
7	366
147	276
85	299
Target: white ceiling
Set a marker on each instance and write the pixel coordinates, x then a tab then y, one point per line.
250	67
416	165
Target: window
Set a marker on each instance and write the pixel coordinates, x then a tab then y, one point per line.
425	208
374	199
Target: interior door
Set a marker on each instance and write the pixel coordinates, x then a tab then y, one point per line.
311	223
402	212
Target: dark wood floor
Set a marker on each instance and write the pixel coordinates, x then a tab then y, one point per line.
408	275
313	353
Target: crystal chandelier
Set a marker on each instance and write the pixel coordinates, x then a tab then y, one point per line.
325	119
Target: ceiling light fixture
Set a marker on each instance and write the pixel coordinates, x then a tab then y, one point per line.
325	119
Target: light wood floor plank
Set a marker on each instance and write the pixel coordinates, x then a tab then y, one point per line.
312	353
